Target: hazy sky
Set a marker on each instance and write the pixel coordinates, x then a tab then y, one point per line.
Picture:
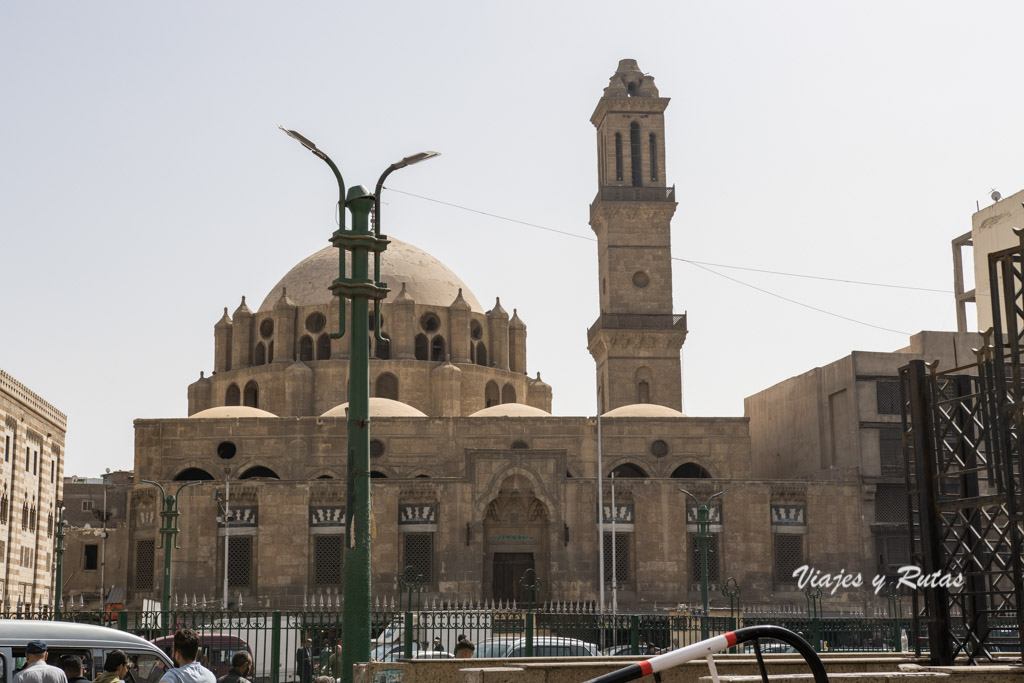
145	185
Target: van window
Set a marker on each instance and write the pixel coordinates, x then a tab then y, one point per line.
145	668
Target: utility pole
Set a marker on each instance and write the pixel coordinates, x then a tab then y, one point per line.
358	243
704	539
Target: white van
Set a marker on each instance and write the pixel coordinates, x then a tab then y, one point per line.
147	662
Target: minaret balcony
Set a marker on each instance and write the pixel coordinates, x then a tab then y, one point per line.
628	193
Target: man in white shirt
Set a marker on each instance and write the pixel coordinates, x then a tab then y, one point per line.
184	653
36	669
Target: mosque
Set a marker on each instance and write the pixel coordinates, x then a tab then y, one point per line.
474	481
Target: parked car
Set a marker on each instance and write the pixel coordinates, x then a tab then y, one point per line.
392	652
493	647
551	646
147	663
625	650
433	654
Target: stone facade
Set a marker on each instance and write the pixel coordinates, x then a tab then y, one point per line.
32	443
844	420
96	540
473	480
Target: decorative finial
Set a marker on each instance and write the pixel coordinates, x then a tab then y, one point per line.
201	373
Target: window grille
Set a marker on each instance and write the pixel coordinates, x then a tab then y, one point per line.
24	517
887	394
789	554
896	552
695	564
3	509
327	553
620	557
891	505
654	157
419	554
145	551
239	561
890	450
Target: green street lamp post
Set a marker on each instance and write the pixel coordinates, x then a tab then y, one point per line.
58	588
168	531
704	539
360	288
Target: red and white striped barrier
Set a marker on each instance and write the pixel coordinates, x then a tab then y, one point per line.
706	648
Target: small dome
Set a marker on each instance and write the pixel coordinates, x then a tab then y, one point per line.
232	411
427	280
643	410
379	407
511	410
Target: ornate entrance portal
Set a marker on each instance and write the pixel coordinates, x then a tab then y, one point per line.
516	538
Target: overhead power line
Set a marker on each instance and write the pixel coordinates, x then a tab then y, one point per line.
704	265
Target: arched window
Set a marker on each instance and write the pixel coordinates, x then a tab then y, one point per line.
643	378
325	476
382	349
3	509
377	474
422	348
643	392
252	395
387	386
270	352
628	470
259	472
232	397
481	354
306	348
690	470
508	394
618	156
32	518
492	396
323	347
472	352
654	157
193	474
634	154
259	356
24	516
437	348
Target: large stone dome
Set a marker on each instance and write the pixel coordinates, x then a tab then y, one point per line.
426	279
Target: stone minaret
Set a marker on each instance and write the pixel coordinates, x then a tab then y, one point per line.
636	338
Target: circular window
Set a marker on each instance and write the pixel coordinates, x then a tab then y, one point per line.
659	449
315	322
430	322
267	328
476	331
641	279
376	448
226	450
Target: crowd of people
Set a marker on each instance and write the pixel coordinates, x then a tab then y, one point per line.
189	667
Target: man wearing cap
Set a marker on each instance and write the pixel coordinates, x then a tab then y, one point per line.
36	669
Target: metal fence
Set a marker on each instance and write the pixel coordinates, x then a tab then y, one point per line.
498	630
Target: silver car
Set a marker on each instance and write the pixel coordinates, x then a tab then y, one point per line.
91	644
551	646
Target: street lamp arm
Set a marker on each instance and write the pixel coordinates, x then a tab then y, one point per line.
186	485
311	146
695	501
153	483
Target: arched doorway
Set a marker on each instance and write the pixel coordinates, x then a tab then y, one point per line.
516	527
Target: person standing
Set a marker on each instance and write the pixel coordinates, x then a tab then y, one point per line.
184	653
464	649
241	665
115	667
438	647
334	663
304	662
36	669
